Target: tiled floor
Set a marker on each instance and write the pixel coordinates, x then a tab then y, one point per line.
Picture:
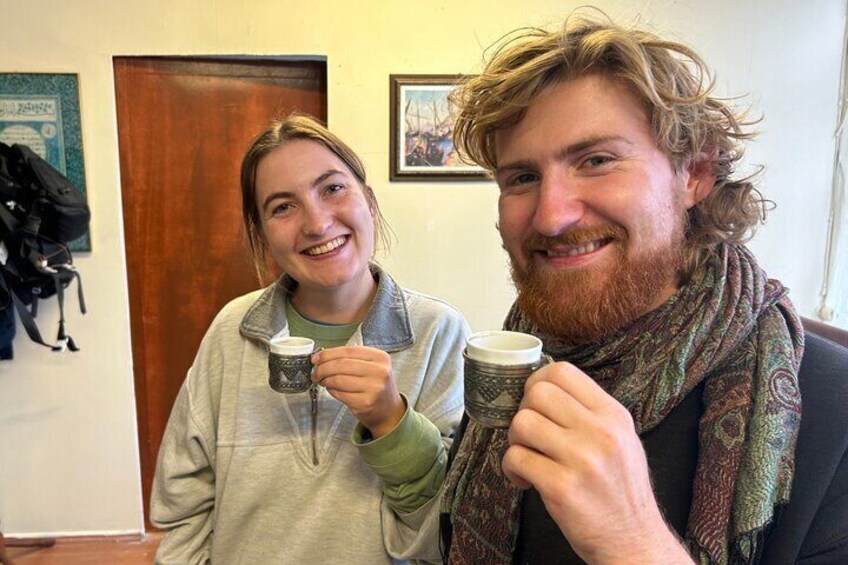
123	550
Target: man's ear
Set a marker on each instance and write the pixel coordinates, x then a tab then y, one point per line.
701	178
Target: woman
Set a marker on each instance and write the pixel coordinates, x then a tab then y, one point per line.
248	475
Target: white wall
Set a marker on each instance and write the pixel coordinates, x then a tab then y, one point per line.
68	455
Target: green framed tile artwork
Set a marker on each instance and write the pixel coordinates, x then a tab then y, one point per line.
42	111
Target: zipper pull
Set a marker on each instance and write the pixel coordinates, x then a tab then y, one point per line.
313	394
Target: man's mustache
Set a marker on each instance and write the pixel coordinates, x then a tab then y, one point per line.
579	236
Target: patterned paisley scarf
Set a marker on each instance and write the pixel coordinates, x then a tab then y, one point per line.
730	326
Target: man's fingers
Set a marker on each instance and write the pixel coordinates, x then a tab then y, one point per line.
573	448
537	432
525	467
573	381
550	400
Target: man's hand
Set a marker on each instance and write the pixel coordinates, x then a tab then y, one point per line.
361	378
577	446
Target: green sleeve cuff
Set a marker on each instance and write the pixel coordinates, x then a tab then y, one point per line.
405	453
362	435
410	460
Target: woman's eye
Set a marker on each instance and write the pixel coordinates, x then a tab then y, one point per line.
333	188
281	208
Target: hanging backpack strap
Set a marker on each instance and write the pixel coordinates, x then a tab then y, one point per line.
33	306
71	345
62	339
25	316
80	297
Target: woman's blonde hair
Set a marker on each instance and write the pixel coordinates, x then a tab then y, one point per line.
293	127
672	81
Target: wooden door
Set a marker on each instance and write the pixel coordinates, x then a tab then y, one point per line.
183	126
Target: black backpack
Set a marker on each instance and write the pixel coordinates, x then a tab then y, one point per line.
40	212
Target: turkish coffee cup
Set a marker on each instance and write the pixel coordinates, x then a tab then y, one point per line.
497	364
290	364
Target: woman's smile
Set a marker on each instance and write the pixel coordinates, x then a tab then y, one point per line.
324	249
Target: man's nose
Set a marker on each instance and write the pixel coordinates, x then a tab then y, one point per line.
317	219
559	206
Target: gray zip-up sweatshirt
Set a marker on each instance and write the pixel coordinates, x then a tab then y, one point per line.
248	475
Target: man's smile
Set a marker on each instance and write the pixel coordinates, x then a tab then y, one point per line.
576	249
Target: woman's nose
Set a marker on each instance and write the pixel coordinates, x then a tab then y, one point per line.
317	219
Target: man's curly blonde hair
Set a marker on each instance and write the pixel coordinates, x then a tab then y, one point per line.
672	81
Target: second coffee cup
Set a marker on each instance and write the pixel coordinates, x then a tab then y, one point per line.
290	364
497	363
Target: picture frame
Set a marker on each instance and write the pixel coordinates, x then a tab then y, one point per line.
42	111
421	128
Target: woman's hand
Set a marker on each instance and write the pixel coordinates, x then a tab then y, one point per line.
361	378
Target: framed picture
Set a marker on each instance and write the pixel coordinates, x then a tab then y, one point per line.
42	111
422	131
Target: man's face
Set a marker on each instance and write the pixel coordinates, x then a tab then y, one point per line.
591	211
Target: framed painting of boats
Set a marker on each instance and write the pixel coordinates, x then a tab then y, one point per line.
421	136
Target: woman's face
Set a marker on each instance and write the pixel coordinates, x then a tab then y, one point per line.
315	216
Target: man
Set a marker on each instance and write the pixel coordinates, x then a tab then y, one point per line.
666	432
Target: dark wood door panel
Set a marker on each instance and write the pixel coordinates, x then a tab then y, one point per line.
183	127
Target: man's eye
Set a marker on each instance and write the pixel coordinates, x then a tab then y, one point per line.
525	178
517	183
598	160
519	180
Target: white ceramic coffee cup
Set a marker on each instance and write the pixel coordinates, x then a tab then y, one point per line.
504	348
290	346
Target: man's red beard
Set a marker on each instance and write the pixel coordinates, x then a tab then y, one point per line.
588	304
